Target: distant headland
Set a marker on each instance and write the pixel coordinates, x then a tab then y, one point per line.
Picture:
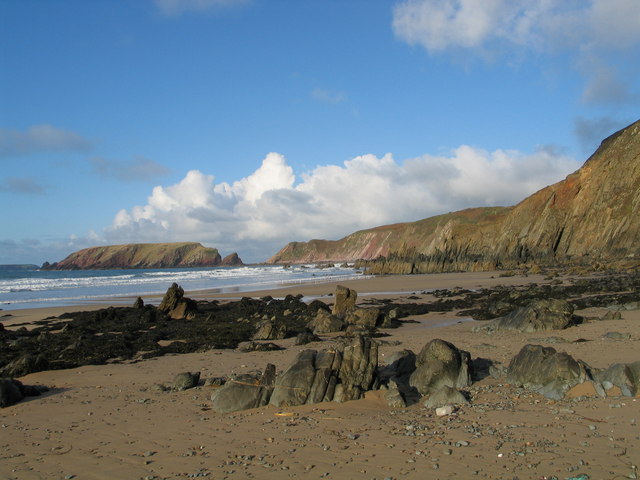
144	255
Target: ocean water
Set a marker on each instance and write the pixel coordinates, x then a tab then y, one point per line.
33	288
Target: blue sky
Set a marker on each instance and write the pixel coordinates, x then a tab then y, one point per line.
248	124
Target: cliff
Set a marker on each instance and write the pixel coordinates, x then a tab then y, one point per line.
591	216
144	255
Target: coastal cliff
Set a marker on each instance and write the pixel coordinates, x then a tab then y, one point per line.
145	255
591	216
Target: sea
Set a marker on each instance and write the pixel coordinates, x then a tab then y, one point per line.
29	287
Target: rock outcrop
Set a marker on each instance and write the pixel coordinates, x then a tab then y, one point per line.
144	255
591	216
440	364
546	371
539	315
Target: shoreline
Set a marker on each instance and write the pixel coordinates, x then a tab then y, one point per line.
372	286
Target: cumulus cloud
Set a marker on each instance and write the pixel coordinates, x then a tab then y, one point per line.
259	214
177	7
589	31
138	169
27	186
40	138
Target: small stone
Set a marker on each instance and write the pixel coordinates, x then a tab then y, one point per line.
442	411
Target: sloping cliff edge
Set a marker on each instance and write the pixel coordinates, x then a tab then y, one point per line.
145	255
591	216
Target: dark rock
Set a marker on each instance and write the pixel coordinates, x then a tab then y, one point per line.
440	363
446	395
171	298
9	392
258	347
546	371
325	322
363	317
358	368
244	391
539	315
139	303
345	299
293	386
398	364
270	330
185	380
25	365
304	338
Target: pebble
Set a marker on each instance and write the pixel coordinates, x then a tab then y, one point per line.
442	411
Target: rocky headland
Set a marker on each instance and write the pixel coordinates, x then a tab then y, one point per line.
590	218
145	255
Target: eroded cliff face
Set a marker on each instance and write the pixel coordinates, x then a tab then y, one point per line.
592	215
143	255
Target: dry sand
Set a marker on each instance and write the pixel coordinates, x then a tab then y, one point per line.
104	422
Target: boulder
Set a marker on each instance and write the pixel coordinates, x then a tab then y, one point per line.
539	315
293	386
270	330
546	371
185	380
244	391
625	376
363	317
393	395
186	309
258	347
139	303
445	396
304	338
345	299
10	392
325	322
440	363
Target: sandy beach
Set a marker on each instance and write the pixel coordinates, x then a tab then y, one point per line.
106	422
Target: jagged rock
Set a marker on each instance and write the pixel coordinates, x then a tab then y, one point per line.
139	303
270	330
359	364
445	396
185	380
625	376
171	298
244	391
325	322
546	371
304	338
10	392
327	364
345	299
440	363
25	365
539	315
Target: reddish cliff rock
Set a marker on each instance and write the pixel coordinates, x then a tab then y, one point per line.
592	215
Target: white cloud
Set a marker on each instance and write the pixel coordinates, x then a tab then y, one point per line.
588	31
259	214
40	138
177	7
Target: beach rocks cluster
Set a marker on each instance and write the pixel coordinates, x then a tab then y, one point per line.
330	375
